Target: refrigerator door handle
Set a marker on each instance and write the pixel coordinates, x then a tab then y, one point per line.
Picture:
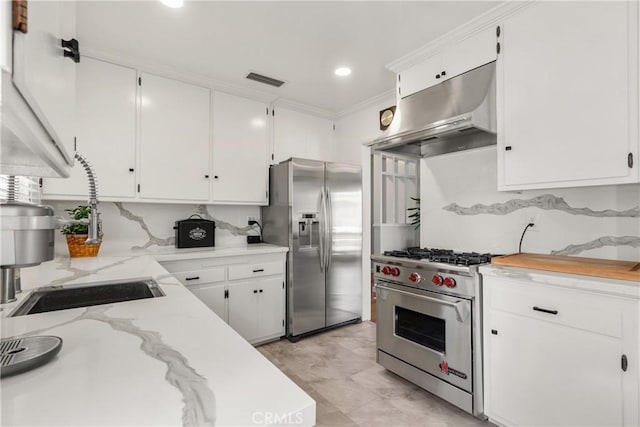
329	231
321	239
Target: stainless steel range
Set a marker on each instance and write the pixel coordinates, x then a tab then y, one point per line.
429	317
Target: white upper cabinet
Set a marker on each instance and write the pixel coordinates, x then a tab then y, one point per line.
240	148
106	131
174	139
471	52
302	135
42	73
568	95
420	76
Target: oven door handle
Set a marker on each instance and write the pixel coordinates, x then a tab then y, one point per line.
461	306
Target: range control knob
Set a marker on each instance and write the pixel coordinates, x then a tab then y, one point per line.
386	271
395	271
437	280
414	277
450	282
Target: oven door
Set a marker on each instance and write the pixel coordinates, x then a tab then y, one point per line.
427	330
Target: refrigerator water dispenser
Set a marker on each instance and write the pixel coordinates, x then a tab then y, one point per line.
308	230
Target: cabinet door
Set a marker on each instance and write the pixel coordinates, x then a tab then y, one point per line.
319	140
271	307
421	76
542	373
302	135
289	135
472	52
240	147
174	139
213	296
243	309
106	131
568	95
44	77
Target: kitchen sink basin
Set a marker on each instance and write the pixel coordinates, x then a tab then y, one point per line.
54	298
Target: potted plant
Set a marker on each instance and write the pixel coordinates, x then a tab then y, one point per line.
77	234
415	215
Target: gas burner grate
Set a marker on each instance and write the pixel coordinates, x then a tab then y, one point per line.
445	256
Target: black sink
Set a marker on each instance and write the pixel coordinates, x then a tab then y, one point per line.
54	298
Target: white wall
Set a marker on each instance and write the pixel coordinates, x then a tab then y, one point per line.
468	178
124	227
359	127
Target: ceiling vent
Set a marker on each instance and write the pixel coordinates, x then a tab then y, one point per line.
264	79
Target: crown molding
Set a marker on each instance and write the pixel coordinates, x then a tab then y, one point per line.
303	108
174	73
389	94
206	81
479	23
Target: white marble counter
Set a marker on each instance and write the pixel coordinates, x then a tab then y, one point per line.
158	361
170	253
623	288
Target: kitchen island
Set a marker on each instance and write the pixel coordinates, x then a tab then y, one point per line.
159	361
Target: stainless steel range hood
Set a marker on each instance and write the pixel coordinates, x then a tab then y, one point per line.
458	114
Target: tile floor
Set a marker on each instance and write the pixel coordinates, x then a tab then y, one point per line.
338	369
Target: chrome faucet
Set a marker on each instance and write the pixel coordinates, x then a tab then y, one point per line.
93	229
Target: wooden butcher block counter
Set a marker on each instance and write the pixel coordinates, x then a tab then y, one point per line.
612	269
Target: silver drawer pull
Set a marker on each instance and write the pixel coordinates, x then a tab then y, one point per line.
545	310
259	270
192	278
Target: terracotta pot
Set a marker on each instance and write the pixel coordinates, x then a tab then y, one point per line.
77	248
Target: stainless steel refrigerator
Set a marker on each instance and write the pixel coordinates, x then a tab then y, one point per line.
315	208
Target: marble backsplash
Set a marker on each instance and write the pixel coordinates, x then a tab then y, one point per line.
137	226
462	210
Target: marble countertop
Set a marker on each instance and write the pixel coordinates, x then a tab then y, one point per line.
607	286
159	361
170	253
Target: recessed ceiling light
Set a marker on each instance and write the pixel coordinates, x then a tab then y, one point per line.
175	4
343	71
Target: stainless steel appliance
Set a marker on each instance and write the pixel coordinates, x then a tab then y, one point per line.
429	321
27	232
458	114
27	235
315	208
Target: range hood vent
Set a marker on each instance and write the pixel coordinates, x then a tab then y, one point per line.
264	79
458	114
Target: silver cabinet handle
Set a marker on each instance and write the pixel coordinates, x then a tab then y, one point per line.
462	311
322	231
329	244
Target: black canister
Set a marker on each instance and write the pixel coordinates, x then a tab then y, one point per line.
195	232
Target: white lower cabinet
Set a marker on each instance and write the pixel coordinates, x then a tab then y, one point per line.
214	296
556	356
256	307
247	291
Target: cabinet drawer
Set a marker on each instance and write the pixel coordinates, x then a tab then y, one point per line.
212	275
578	309
255	270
